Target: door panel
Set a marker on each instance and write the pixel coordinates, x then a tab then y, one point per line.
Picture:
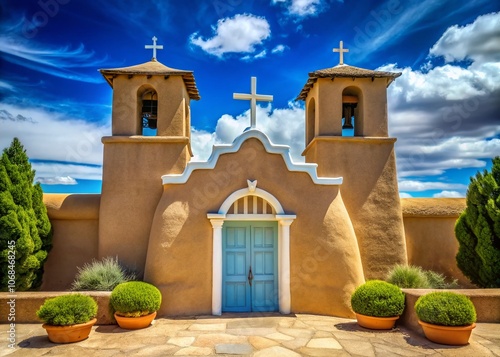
236	258
245	245
264	266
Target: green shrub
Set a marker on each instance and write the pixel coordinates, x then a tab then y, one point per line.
378	298
68	310
25	230
135	298
478	229
414	277
445	308
408	276
101	275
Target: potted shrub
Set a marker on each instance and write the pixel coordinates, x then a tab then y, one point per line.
68	318
377	304
446	317
135	304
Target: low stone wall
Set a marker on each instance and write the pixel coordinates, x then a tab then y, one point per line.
430	234
486	301
28	303
75	223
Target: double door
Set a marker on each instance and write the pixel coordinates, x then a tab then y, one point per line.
249	266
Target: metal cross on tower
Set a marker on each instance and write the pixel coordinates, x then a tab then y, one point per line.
253	97
154	47
341	51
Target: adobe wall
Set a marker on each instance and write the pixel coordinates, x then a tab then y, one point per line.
430	234
370	193
131	189
75	223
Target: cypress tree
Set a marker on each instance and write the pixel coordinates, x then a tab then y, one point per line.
24	224
478	229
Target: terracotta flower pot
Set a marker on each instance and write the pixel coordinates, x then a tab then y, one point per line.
447	335
376	323
134	323
70	333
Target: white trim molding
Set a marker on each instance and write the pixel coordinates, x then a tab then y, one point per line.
285	220
283	150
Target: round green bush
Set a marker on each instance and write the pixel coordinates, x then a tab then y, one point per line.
68	310
445	308
378	298
135	298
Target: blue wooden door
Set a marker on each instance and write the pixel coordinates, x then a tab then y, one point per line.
250	276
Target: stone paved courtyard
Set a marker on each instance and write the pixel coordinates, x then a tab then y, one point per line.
252	335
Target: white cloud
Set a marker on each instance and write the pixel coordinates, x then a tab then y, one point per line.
448	194
404	195
283	126
446	117
446	82
64	173
57	180
239	34
279	49
303	8
479	41
418	186
50	136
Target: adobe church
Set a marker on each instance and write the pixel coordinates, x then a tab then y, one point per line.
249	229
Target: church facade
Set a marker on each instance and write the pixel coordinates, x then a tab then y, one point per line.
249	229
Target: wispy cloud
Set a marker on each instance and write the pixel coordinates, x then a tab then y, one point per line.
238	34
388	23
62	61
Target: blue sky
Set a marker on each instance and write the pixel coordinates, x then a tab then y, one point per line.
443	109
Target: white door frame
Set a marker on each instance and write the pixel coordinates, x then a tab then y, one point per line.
284	220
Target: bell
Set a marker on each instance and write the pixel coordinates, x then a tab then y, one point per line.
348	113
152	122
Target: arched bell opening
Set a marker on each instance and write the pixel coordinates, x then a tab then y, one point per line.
351	105
149	111
311	121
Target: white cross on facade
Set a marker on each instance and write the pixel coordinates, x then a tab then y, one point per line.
253	97
341	50
154	47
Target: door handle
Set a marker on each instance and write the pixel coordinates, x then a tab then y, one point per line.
250	276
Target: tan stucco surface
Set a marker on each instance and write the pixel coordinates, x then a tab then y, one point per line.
75	223
430	234
130	192
325	262
370	193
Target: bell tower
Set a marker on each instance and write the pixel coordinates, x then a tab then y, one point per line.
150	138
347	135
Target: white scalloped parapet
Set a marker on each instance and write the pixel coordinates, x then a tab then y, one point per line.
219	150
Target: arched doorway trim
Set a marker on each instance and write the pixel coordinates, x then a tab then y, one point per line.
254	202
